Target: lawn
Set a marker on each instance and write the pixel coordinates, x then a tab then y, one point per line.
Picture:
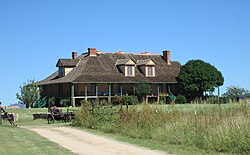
18	141
186	129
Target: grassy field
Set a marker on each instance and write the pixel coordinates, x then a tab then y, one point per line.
184	129
18	141
181	129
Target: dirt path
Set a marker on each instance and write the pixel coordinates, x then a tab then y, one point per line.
84	143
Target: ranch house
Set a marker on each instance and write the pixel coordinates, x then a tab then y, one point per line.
103	75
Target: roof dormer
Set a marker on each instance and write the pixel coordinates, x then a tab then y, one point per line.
66	65
126	66
147	67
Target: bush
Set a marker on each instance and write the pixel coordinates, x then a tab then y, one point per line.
52	101
65	102
130	100
180	99
117	100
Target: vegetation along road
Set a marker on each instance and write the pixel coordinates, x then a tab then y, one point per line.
81	142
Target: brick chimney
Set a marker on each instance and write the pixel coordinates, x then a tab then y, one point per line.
92	51
166	56
74	55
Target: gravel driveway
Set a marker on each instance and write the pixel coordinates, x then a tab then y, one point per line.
85	143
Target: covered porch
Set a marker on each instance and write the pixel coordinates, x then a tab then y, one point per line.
89	91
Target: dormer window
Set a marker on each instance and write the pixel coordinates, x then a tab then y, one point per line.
61	72
129	70
150	71
66	65
126	66
147	67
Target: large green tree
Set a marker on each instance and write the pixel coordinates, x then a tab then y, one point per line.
29	93
197	76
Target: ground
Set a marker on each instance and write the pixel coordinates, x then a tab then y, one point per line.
85	143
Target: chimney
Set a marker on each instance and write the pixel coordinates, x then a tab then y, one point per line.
74	55
166	56
92	51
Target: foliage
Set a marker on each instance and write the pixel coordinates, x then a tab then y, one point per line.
64	102
117	100
52	101
180	99
233	92
211	128
142	90
130	100
30	93
197	76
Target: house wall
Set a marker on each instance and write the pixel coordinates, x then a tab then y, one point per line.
56	90
67	70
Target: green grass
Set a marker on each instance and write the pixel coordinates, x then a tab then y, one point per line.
226	131
18	141
192	128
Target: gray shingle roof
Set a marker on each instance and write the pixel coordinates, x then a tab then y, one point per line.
102	68
122	61
67	62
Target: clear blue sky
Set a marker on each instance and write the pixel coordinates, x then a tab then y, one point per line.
35	33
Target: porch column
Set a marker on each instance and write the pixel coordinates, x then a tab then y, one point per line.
109	98
86	91
96	90
73	95
121	89
158	93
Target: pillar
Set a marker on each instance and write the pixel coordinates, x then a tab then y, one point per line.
121	89
73	95
86	92
109	98
158	93
96	90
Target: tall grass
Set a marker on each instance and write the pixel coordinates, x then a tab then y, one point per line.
212	128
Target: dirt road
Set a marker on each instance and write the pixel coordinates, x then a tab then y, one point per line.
84	143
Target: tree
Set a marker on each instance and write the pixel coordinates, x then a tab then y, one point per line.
30	93
142	90
234	91
197	76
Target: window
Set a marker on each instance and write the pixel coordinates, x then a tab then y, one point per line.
151	71
61	72
129	71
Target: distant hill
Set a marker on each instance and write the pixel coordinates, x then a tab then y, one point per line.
17	105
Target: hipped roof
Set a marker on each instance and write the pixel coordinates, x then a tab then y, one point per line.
102	69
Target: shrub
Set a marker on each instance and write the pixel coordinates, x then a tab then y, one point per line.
117	100
130	100
65	102
52	101
180	99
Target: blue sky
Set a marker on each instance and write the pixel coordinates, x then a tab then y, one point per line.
34	34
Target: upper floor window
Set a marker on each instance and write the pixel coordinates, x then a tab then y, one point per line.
150	71
61	72
130	70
